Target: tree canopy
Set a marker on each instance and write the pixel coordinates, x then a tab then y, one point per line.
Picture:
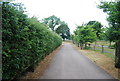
113	11
84	34
97	26
63	30
58	26
51	22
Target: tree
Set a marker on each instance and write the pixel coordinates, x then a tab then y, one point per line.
107	34
72	38
113	11
58	26
96	26
51	22
63	30
91	22
76	38
85	34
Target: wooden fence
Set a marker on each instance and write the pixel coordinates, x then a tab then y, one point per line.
103	49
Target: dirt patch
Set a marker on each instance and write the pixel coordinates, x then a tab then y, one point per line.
39	70
102	61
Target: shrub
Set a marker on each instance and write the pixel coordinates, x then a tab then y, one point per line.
26	41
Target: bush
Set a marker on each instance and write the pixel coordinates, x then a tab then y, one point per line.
25	41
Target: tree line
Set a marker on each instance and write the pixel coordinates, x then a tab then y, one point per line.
94	30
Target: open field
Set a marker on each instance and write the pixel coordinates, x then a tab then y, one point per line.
105	43
106	51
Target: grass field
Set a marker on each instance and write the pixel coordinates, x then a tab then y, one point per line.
107	51
106	54
105	43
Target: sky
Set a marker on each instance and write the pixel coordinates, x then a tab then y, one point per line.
73	12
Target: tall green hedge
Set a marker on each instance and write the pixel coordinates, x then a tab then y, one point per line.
25	40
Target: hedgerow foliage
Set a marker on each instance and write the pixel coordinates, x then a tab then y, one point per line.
25	40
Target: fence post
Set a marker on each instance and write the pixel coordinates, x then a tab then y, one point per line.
118	73
94	47
102	49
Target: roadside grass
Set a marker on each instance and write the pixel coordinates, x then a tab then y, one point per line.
103	60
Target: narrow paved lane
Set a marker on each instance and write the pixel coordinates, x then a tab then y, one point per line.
68	63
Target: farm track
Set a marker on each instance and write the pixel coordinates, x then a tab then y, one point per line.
68	63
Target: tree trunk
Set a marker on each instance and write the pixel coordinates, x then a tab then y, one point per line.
81	46
85	46
119	73
73	41
117	55
78	44
110	44
95	42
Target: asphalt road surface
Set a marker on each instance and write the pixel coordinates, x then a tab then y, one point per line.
68	63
